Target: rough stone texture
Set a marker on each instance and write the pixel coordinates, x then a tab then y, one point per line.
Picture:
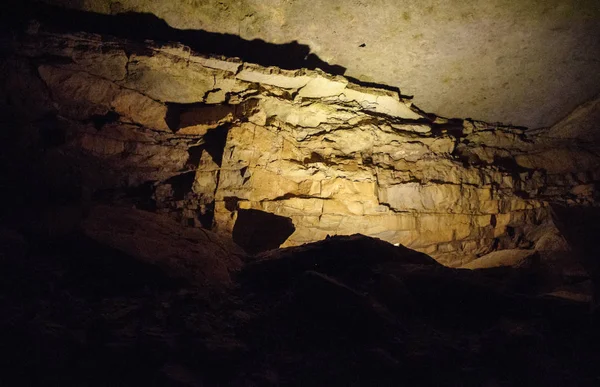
198	255
521	62
514	258
581	124
349	310
202	138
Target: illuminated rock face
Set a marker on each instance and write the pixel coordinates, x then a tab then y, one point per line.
521	62
210	138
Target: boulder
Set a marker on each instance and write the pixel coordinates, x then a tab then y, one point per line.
198	255
336	256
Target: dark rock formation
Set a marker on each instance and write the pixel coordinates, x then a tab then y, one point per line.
206	259
345	311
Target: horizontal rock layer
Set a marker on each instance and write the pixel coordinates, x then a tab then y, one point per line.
209	138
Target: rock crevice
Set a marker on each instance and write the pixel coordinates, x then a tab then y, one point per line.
332	156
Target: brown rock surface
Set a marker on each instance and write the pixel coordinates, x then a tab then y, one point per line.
118	155
520	62
206	137
513	258
199	255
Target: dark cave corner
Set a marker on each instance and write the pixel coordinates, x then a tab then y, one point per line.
581	228
181	185
140	196
249	231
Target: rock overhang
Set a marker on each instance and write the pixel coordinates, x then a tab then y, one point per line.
525	63
212	137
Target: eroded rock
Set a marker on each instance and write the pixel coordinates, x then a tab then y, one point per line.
199	255
212	136
513	258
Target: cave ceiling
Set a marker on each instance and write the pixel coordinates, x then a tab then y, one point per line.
527	62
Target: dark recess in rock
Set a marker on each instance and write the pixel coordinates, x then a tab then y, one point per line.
315	158
581	228
195	154
181	116
203	114
141	196
215	142
206	218
376	85
181	184
99	120
231	203
51	132
453	127
173	116
509	164
250	233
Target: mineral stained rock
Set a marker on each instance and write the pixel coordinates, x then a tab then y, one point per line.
205	138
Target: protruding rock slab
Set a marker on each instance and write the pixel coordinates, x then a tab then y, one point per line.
201	256
332	156
511	257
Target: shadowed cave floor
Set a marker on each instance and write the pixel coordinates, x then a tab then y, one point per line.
344	311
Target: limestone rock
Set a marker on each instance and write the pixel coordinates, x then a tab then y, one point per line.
199	255
581	124
210	137
169	78
82	96
513	258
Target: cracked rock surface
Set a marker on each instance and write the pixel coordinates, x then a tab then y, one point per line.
205	138
521	62
147	188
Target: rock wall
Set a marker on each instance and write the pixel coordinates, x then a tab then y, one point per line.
219	143
517	61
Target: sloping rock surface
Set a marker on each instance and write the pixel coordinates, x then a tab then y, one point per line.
501	258
199	255
350	310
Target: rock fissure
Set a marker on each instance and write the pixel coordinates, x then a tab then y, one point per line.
316	150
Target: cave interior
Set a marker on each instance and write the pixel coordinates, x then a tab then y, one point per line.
265	193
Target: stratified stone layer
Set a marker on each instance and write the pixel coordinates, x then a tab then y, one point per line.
213	136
